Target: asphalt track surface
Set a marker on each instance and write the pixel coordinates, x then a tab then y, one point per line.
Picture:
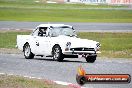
89	27
64	71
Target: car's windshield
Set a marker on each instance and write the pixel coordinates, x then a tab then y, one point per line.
56	31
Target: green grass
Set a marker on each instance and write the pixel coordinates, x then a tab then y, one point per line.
56	15
8	39
7	81
112	44
24	10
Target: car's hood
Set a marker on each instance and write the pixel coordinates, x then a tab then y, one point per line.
78	42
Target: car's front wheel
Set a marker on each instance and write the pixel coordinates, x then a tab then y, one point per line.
91	59
27	52
57	53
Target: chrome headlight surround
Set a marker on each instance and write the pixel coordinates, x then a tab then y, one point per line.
68	45
98	45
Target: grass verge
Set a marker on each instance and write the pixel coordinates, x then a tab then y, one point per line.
113	44
24	10
7	81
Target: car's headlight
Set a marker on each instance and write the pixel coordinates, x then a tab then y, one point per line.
68	45
98	46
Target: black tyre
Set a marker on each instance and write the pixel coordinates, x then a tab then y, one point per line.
91	59
57	53
27	52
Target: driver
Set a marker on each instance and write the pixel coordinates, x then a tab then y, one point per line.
42	31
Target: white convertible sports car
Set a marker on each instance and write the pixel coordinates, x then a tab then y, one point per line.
58	41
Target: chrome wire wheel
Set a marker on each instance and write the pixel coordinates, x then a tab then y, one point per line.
57	53
27	52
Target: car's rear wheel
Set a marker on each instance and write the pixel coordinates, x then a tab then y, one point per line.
27	52
57	53
91	59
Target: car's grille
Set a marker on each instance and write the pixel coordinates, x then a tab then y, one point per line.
82	49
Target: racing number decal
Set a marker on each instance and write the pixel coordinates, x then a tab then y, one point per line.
37	43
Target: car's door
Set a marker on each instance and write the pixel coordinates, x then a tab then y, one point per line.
32	41
41	42
37	43
42	45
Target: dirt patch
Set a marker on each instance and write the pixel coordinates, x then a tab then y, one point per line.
9	51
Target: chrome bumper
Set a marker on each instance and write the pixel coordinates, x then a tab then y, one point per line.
80	52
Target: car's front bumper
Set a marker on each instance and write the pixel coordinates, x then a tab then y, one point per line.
80	52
